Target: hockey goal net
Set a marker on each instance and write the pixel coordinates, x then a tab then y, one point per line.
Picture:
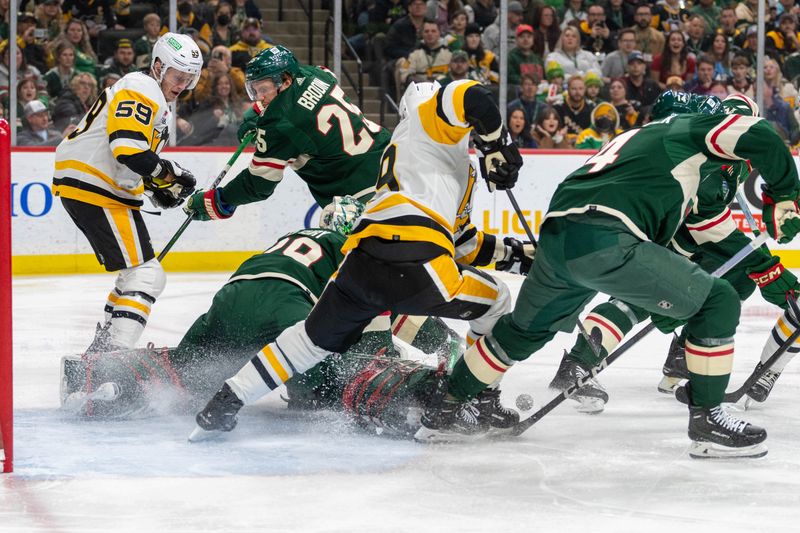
6	398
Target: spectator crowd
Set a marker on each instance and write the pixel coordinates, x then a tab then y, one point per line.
581	72
61	70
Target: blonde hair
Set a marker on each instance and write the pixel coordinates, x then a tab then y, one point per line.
84	46
560	45
78	78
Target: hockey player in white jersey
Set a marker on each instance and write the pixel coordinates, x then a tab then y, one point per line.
104	167
400	255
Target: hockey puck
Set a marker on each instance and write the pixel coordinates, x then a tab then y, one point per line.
524	402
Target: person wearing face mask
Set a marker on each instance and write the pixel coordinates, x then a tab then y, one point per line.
605	126
187	18
223	33
105	167
250	43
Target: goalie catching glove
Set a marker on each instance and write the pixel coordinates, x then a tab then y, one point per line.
499	159
517	252
775	282
169	185
781	216
208	205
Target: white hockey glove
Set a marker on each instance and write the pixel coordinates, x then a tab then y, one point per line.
169	185
781	216
499	159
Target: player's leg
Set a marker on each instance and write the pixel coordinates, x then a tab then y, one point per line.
783	328
463	292
121	243
711	305
607	324
349	302
244	316
674	369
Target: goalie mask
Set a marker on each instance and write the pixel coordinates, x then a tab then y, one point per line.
179	52
341	214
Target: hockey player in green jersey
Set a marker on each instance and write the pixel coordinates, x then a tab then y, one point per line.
607	229
268	293
307	124
708	236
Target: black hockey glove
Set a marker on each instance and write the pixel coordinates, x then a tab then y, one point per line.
499	159
517	252
169	185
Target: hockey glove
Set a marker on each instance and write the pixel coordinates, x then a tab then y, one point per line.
517	252
249	121
667	324
169	185
781	216
499	159
208	205
775	282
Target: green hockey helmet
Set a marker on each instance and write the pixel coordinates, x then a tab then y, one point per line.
675	102
270	64
740	104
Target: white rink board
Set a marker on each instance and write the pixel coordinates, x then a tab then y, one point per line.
41	227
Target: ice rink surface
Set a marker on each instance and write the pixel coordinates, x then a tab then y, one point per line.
624	470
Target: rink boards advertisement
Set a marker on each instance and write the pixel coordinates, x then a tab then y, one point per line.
46	241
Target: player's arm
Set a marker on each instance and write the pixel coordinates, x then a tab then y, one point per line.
132	140
742	137
468	104
274	152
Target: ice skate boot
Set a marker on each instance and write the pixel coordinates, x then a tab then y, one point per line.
716	434
760	390
675	369
591	397
218	415
500	418
452	421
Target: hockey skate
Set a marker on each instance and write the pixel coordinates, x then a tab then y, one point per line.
591	397
675	369
452	421
499	417
217	416
716	434
760	390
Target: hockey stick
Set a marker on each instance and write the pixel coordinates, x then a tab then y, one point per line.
524	425
591	341
245	141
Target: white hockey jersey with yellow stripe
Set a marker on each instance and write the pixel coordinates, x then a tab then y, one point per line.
424	180
128	118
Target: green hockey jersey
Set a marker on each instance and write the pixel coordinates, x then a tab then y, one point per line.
307	258
313	128
649	177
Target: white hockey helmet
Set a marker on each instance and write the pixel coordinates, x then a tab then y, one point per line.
416	93
180	52
341	214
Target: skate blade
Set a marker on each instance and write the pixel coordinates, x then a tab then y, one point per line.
667	384
710	450
589	405
199	434
434	436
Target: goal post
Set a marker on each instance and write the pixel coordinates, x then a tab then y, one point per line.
6	370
